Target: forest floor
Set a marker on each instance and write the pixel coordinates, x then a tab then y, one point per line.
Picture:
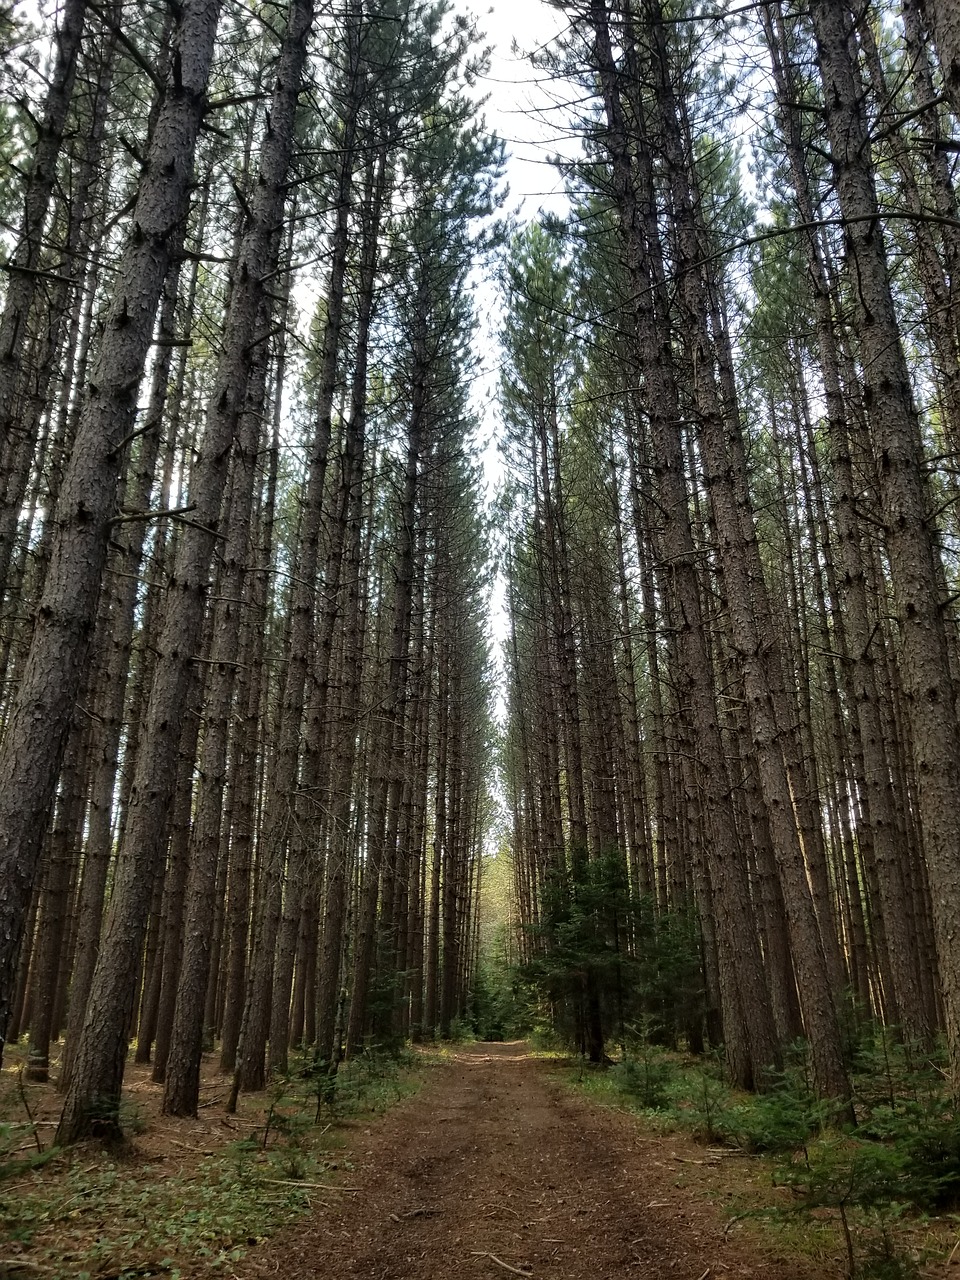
495	1166
498	1168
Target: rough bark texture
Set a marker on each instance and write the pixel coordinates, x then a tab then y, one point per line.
24	278
898	453
33	744
944	20
99	1067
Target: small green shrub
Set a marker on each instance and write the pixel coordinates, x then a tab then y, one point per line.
880	1259
646	1079
870	1186
926	1134
462	1031
784	1118
900	1160
707	1107
772	1123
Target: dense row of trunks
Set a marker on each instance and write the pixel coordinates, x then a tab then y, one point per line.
739	500
245	712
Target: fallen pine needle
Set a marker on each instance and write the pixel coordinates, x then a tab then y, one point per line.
737	1217
517	1271
318	1186
709	1271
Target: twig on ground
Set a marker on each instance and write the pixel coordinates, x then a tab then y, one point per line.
25	1103
517	1271
319	1186
738	1217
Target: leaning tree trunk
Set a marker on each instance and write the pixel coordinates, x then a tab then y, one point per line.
112	646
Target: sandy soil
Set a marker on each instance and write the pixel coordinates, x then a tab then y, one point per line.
495	1169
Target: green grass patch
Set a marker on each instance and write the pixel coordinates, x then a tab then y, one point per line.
888	1186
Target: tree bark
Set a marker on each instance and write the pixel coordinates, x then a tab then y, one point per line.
898	452
102	1043
33	745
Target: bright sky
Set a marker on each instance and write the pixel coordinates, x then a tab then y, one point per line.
518	108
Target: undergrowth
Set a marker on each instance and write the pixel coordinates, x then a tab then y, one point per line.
89	1214
877	1181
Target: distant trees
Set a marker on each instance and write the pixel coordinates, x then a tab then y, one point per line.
245	662
757	460
245	770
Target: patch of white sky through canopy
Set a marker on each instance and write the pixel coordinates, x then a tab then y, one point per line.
524	106
523	109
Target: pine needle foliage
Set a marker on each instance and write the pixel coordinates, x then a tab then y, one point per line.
644	966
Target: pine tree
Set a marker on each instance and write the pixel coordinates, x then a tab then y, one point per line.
36	734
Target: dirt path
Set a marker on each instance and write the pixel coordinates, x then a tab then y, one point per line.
495	1169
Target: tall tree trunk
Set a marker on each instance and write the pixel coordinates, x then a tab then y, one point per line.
25	279
858	626
898	451
33	744
945	29
182	1078
100	1056
749	1031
